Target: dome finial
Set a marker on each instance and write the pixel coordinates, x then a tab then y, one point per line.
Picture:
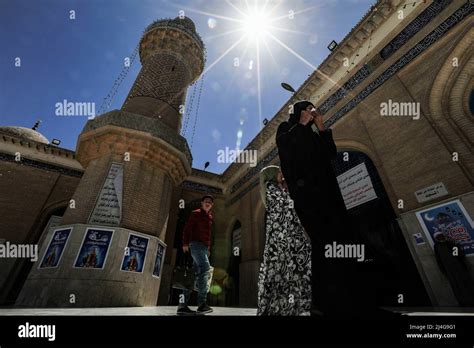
36	125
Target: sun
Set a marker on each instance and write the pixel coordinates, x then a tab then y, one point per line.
256	25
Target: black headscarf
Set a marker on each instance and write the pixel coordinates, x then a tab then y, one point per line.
297	108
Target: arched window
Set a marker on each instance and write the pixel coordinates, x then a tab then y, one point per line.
232	295
49	221
471	102
236	240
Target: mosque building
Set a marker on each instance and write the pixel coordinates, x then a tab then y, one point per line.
397	92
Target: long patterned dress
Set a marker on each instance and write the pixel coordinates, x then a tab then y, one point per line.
284	283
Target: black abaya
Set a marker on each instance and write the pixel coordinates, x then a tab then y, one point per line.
305	159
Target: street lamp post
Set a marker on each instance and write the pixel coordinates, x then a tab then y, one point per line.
288	87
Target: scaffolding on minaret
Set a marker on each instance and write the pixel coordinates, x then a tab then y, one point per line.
188	114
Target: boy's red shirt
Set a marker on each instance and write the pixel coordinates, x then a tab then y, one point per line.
198	227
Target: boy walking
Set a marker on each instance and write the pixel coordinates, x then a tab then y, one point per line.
197	240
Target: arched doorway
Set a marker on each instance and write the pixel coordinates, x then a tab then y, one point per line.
471	102
50	218
183	217
392	270
233	270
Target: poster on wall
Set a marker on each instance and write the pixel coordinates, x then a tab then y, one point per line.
452	220
55	249
160	255
135	253
94	248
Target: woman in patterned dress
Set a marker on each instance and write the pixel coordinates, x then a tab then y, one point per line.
284	284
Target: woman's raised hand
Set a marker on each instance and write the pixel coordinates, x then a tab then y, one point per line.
318	119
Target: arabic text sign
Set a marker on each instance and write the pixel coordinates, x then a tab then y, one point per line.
431	192
356	186
108	208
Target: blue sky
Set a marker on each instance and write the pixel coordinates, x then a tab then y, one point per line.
79	60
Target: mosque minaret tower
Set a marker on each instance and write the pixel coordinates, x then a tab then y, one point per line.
133	157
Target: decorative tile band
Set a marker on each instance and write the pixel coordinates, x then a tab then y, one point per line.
42	165
200	187
352	83
420	47
414	27
406	34
260	164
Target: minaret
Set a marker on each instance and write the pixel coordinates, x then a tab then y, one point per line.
132	159
172	57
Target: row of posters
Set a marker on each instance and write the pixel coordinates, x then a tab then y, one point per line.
95	248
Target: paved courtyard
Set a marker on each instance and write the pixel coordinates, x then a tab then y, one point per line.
434	311
219	311
118	311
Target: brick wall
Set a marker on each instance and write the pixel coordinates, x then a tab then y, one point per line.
159	89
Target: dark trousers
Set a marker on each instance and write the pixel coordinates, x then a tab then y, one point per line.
333	279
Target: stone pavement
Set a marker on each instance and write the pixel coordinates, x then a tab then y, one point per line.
118	311
433	311
218	311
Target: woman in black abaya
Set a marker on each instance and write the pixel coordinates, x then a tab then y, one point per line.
306	148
